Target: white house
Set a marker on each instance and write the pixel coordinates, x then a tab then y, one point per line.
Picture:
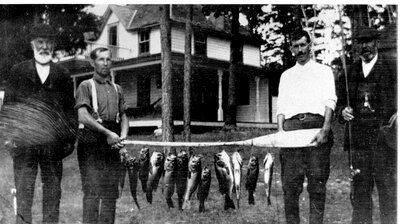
132	33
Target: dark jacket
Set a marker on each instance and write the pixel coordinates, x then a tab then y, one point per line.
381	87
24	86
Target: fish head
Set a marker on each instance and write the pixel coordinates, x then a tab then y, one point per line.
205	173
268	159
253	162
157	158
170	162
194	164
218	160
237	160
182	159
144	153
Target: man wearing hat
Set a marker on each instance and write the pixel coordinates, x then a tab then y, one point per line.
40	79
372	84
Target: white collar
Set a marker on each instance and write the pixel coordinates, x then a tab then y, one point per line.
43	71
367	66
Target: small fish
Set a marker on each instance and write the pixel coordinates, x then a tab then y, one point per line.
133	177
193	180
253	170
224	173
144	163
169	178
156	170
131	165
182	171
204	187
268	171
237	174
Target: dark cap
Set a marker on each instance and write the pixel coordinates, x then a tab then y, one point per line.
367	34
42	30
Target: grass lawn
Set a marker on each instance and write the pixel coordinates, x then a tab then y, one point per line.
338	208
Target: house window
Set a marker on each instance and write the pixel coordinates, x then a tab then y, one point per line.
144	41
200	44
242	90
112	36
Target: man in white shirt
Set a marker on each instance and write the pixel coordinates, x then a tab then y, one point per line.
306	100
372	83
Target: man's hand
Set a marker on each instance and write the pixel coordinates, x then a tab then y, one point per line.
347	114
321	137
114	140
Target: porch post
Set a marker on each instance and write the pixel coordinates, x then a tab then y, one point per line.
258	115
220	111
113	76
75	87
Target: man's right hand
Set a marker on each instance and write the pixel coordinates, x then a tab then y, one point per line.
347	114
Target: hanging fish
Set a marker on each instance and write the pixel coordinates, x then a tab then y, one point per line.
224	173
252	177
144	164
133	178
204	187
169	178
268	171
156	170
237	174
182	170
193	180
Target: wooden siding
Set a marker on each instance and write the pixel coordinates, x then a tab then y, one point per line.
251	55
155	41
218	48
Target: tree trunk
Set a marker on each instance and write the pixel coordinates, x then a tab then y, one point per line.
230	121
166	86
187	75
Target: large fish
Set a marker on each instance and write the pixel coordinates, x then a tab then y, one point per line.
268	171
224	173
253	170
204	187
156	170
144	165
181	175
169	178
237	174
193	180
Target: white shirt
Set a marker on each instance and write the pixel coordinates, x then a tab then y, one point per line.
43	71
306	88
367	66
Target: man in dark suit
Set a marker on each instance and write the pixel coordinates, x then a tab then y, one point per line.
372	85
40	80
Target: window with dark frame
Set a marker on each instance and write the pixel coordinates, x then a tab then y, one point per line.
144	41
200	43
112	36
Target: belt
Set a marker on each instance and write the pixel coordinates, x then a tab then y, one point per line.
303	116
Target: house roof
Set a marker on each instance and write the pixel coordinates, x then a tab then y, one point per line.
140	16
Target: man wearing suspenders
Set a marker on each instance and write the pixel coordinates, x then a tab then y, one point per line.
101	113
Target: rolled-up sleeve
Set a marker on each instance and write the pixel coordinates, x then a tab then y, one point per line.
82	97
330	90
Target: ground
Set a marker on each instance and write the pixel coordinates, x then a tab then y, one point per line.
338	208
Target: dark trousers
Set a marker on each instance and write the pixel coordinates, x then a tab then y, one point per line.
377	164
26	164
298	163
100	169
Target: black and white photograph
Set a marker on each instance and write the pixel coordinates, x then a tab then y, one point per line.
198	113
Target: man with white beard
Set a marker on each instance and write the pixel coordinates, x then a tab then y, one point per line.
39	79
